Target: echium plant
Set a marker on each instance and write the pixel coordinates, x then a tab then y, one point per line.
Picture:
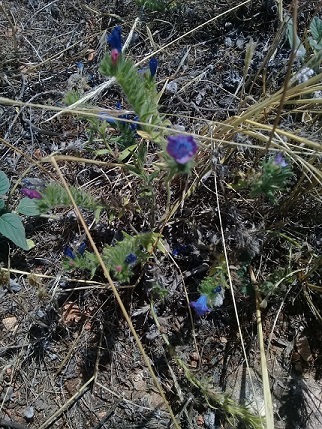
139	88
273	177
120	259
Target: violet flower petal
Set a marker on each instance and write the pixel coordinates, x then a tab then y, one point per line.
131	259
68	252
280	161
115	39
31	193
200	306
153	65
182	148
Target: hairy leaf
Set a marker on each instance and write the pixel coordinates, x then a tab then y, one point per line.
316	29
28	207
4	183
11	227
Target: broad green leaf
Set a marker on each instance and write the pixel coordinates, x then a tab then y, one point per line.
28	207
4	183
11	227
316	29
2	205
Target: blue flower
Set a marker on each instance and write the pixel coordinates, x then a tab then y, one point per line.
182	148
200	306
81	248
115	39
217	289
153	65
68	252
131	259
280	161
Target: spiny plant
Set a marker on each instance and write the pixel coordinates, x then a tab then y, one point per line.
272	178
139	87
120	259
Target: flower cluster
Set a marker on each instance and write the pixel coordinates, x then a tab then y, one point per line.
69	252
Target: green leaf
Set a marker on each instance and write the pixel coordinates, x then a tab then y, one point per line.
126	152
11	227
316	28
28	207
295	44
314	44
4	183
2	205
102	152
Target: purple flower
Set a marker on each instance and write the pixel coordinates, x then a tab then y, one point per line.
200	306
182	148
131	259
31	193
280	161
115	39
153	65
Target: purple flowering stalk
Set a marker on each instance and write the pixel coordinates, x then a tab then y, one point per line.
139	89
